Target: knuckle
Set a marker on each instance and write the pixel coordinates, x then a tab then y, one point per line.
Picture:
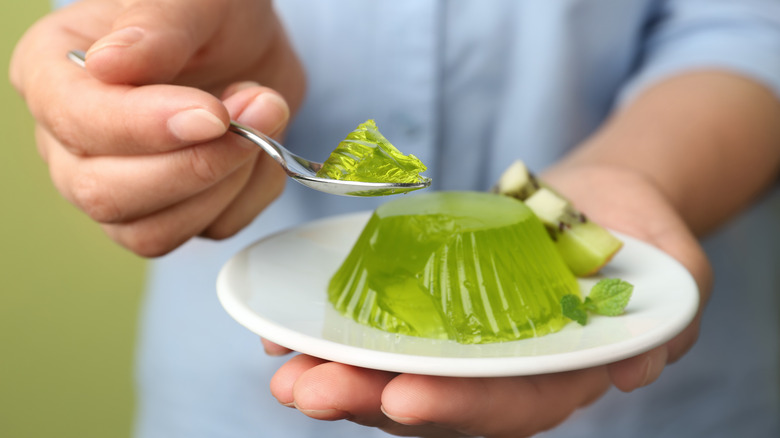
200	166
94	198
276	184
274	178
221	230
60	126
144	240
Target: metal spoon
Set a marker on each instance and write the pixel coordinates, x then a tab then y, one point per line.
301	169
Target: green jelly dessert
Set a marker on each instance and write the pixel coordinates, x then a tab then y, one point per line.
366	155
467	266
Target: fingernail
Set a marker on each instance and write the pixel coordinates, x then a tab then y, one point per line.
235	88
324	414
654	365
403	420
121	38
268	351
196	125
265	108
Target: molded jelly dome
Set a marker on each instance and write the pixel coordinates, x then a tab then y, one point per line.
468	266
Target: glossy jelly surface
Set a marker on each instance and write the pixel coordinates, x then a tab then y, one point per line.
366	155
468	266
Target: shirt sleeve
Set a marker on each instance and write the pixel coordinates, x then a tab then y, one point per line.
738	36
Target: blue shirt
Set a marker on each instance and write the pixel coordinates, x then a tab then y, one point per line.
468	86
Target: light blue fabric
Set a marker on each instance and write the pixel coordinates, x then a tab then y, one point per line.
468	86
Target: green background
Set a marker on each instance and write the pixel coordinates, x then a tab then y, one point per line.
69	295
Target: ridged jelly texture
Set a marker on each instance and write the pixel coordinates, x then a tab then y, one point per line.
366	155
467	266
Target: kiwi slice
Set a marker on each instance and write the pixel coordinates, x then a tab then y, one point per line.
584	245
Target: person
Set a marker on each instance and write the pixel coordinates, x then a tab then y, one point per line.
657	118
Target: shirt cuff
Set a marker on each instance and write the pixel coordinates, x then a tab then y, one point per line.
749	47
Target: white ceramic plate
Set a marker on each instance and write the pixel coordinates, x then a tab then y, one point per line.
277	288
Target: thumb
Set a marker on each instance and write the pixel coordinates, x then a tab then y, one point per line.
152	40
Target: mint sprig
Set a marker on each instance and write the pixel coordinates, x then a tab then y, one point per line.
608	297
573	308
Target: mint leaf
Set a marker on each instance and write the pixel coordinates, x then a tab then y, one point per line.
573	308
609	297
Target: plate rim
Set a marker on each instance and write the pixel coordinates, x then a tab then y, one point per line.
333	350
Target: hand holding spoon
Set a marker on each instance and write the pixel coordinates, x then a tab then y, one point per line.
302	170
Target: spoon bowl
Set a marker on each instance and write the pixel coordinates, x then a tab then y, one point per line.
300	169
305	171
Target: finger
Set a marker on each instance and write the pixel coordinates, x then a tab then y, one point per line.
151	41
267	112
272	349
287	382
497	407
114	189
90	117
684	341
259	107
636	372
122	120
283	381
163	231
630	374
331	390
334	391
200	43
683	246
47	41
265	184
